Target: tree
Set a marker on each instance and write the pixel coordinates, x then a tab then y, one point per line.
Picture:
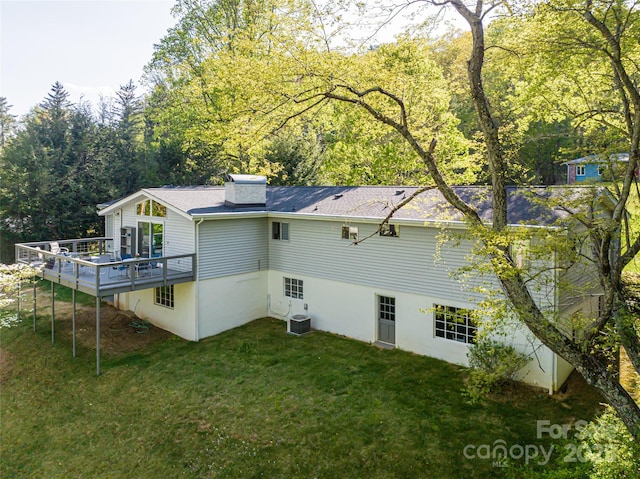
127	167
612	27
7	122
52	176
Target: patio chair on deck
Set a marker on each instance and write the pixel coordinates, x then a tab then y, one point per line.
122	267
148	268
155	265
55	248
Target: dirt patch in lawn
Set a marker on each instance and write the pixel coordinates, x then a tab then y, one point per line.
575	388
121	332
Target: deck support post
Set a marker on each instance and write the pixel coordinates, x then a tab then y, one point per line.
73	320
35	283
19	294
98	335
53	309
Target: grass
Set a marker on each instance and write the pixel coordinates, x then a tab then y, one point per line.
256	402
62	293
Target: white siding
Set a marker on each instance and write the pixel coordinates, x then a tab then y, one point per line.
231	301
576	284
350	310
181	320
179	234
406	263
109	232
234	246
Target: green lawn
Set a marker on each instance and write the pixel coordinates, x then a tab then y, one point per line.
256	402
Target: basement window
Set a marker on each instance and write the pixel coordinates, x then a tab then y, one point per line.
164	296
389	230
293	288
350	232
455	324
280	231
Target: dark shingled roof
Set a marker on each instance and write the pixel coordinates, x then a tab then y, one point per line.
367	202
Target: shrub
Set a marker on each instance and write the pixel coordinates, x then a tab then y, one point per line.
492	364
609	447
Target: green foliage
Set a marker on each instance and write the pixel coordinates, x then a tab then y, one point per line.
8	122
53	173
561	71
63	162
12	279
608	446
493	364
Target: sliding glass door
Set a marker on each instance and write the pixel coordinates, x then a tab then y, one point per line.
150	239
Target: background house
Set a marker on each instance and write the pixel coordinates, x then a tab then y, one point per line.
595	168
281	251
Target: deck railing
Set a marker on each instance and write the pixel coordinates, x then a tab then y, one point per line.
81	246
86	266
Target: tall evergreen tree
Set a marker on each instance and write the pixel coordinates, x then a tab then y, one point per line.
8	122
52	178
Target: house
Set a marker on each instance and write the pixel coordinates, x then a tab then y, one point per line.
224	256
595	168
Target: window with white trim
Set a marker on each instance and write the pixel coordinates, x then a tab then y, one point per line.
280	231
164	296
151	208
350	232
580	170
293	288
456	324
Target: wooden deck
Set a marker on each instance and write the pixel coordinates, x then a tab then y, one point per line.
101	275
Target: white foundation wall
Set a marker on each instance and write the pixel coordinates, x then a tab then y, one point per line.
351	310
231	301
181	320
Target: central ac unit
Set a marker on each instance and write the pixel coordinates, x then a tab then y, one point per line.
299	324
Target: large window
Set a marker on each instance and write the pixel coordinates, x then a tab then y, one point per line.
164	296
280	231
455	324
580	170
151	208
293	288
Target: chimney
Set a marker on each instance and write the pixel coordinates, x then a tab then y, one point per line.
245	191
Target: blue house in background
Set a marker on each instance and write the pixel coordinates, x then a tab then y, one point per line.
595	168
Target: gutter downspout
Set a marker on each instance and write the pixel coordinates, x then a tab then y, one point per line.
197	283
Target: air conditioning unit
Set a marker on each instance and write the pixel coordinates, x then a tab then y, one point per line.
299	324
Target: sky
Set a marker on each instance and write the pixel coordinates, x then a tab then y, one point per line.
92	47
